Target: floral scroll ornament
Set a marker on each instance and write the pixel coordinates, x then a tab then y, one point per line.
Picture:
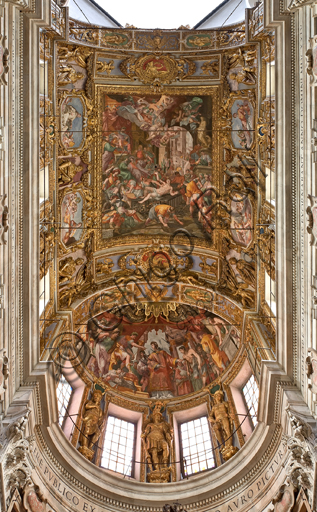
4	59
4	225
311	368
312	219
211	68
157	69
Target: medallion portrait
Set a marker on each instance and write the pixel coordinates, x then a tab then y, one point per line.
242	124
71	217
72	110
241	220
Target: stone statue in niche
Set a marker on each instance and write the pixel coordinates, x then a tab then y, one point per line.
93	418
221	423
157	438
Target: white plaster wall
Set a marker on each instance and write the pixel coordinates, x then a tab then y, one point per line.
94	15
233	10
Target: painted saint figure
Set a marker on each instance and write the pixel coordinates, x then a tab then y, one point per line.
219	356
160	363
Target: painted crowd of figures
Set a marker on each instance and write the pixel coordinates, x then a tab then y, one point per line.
162	361
156	166
156	162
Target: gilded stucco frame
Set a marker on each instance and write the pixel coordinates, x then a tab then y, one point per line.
213	91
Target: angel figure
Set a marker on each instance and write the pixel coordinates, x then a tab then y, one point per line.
103	66
247	271
67	268
67	171
242	69
68	75
79	55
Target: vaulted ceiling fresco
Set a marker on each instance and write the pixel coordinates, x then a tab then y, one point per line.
156	233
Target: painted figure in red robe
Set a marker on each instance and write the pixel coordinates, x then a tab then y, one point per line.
160	364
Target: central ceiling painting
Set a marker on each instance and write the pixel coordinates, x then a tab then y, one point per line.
156	163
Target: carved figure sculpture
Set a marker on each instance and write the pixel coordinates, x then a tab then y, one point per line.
67	171
105	66
157	441
79	55
67	268
113	39
210	68
221	423
92	425
68	75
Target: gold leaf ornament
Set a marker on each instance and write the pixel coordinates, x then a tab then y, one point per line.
162	69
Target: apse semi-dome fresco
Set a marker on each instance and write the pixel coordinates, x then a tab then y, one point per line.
160	357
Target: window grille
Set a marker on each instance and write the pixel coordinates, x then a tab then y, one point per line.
63	393
197	450
118	447
251	395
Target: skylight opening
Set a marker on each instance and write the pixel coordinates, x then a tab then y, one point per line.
169	15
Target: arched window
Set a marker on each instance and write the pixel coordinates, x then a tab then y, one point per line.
63	393
196	447
251	395
119	446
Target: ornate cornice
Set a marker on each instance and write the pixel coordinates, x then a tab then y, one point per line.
271	437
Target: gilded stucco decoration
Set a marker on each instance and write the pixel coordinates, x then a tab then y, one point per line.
266	238
157	437
92	421
155	222
221	421
157	69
